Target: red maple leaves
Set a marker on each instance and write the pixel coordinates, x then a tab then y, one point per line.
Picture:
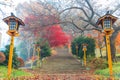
56	36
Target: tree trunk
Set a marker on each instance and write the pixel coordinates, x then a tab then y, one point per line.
106	48
101	53
113	48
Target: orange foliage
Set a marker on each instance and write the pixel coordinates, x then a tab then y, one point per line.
118	50
21	62
117	40
89	35
2	57
99	40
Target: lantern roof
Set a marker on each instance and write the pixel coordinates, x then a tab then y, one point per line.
106	16
7	19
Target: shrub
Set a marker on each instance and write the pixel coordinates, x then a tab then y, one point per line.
21	62
45	50
79	41
98	63
2	57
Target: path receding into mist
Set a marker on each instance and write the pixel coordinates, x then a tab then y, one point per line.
62	62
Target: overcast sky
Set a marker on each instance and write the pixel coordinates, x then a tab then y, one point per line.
102	3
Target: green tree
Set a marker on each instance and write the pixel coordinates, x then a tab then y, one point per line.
45	50
44	47
15	62
79	41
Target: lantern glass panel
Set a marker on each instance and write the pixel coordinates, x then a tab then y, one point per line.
12	25
84	46
107	23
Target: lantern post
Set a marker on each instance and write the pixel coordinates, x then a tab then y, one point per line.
84	50
13	22
106	22
39	56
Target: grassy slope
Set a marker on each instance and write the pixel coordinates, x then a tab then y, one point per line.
105	72
15	73
116	69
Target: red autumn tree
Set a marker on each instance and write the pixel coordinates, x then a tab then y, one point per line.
36	25
41	24
56	36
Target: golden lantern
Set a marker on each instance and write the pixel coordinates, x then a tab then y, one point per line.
106	22
13	22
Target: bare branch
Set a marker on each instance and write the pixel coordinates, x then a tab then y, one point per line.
100	30
118	7
92	12
75	8
86	26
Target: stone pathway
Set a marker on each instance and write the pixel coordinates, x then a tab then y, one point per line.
63	62
62	66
